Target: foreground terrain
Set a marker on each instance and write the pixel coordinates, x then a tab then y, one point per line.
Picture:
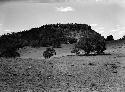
64	72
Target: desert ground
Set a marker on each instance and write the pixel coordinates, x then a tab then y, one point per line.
64	72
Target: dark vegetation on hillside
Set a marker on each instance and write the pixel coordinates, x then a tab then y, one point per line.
44	36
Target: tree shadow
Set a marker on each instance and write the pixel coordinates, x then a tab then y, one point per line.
94	54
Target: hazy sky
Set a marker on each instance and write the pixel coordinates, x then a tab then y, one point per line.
105	16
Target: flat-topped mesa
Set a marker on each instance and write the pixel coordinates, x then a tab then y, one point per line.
46	35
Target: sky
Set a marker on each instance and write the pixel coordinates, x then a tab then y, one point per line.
107	17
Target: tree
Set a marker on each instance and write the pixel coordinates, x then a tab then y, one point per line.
91	43
109	38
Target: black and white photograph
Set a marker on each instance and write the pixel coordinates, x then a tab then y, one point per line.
62	45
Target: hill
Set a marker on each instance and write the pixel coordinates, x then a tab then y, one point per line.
46	35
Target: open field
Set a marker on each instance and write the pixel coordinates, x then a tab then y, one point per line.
32	73
37	53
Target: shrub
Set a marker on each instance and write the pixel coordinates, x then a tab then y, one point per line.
49	52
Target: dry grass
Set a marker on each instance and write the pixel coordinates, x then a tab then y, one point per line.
66	74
